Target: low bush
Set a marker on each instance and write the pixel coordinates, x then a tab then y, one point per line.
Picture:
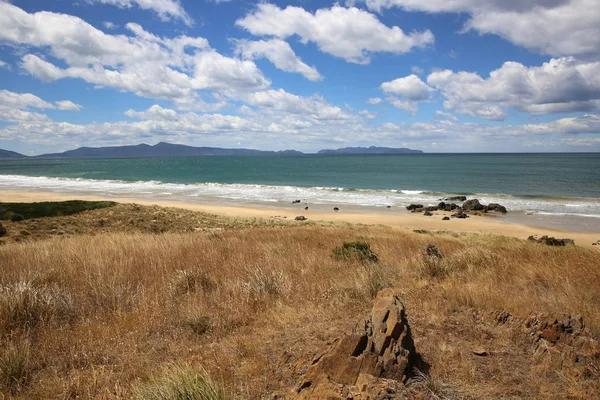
355	250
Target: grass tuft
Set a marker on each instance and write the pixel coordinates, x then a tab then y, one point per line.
15	365
180	381
24	304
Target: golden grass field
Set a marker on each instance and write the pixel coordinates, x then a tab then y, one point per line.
96	306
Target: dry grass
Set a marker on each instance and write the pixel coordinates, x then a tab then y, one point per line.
102	314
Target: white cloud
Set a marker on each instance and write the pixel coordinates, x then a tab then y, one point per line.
411	88
556	27
166	9
349	33
410	106
314	107
11	114
279	53
67	105
560	85
417	70
22	101
282	130
374	100
4	65
109	25
587	142
445	115
145	64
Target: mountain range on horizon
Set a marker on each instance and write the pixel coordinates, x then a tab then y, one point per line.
164	149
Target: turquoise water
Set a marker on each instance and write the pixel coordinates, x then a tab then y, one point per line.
550	185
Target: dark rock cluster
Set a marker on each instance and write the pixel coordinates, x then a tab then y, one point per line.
467	206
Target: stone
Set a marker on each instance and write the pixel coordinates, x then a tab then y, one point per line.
300	218
472	205
456	198
296	202
413	207
428	213
495	207
336	209
446	219
306	208
377	355
460	215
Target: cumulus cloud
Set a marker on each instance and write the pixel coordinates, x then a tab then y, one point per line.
374	100
279	52
166	9
411	89
555	27
349	33
4	65
166	68
560	85
22	101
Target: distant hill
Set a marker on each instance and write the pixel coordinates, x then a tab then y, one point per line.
370	150
10	154
161	149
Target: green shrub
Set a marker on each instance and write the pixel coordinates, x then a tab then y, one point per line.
2	230
21	211
179	381
355	250
16	217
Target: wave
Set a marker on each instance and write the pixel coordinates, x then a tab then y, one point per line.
285	194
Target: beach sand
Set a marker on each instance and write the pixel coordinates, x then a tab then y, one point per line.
392	217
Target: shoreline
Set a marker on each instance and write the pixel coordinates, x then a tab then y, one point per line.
409	221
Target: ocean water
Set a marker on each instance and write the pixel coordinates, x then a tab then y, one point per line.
554	190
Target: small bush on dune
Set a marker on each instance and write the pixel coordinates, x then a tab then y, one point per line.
179	382
355	250
2	230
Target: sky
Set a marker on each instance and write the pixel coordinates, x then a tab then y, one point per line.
437	75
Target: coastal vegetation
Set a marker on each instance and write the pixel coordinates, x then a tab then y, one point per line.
143	302
21	211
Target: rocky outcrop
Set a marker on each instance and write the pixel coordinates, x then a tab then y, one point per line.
370	362
563	336
413	207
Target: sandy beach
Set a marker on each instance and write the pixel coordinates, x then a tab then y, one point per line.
393	218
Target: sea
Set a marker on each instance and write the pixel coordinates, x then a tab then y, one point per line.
550	190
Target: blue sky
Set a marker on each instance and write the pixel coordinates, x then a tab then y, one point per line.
438	75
